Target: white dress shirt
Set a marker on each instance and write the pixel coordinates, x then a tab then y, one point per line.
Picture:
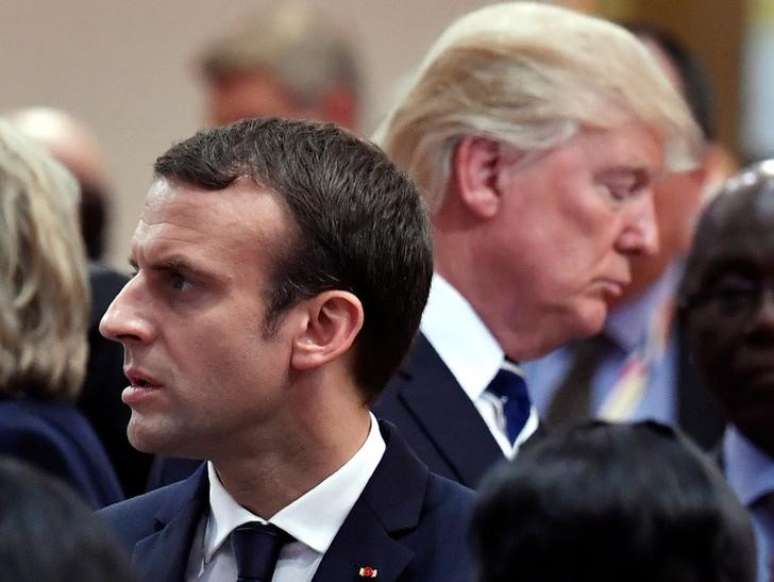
313	520
473	356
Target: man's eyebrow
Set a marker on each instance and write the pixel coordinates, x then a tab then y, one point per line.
639	174
172	263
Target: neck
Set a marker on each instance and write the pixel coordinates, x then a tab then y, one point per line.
303	447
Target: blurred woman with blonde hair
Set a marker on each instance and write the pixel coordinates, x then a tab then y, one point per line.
44	304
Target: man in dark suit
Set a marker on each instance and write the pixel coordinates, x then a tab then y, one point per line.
727	309
281	269
535	134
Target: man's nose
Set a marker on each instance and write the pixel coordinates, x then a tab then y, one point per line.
124	321
640	230
762	322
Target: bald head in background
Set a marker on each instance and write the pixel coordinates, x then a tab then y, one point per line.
76	147
288	60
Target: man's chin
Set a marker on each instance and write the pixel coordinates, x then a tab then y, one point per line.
591	320
155	440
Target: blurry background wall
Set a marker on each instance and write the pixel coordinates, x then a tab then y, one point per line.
127	68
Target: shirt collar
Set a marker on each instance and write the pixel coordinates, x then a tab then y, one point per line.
461	339
628	325
749	470
314	518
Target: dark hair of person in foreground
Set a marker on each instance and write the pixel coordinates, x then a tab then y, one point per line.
47	534
617	502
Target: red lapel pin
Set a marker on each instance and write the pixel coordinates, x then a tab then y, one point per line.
367	572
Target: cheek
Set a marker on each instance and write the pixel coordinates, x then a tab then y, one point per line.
714	345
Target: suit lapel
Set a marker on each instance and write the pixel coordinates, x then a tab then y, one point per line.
164	554
388	508
447	414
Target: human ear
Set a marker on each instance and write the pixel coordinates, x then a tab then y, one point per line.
475	168
333	320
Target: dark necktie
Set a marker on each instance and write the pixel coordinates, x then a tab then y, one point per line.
256	549
572	399
511	388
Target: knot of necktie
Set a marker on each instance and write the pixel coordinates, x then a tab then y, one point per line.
256	549
511	388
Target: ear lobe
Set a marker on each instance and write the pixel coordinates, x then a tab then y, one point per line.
334	320
475	166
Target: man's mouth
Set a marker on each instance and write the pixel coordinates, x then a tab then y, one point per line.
140	379
612	287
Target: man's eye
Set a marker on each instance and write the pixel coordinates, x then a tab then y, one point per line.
734	298
178	281
618	191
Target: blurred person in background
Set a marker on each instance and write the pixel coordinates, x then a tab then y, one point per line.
47	534
77	149
44	304
535	134
727	308
288	60
611	502
74	145
638	367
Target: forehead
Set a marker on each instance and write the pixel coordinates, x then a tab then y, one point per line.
230	224
630	145
742	227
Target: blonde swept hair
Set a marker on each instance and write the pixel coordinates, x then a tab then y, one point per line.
44	295
531	75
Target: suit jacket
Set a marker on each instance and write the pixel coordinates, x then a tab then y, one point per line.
698	413
408	523
54	436
100	398
432	413
437	419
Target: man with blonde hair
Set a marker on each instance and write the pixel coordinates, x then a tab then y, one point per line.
535	134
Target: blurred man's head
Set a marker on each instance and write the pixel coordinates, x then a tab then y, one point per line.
535	134
611	502
75	146
289	61
727	301
47	534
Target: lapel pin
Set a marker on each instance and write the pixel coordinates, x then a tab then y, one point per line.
367	572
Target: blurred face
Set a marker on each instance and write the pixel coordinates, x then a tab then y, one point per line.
571	221
249	94
731	327
677	200
202	373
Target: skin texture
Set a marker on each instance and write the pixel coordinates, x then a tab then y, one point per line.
540	242
731	320
168	316
191	321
